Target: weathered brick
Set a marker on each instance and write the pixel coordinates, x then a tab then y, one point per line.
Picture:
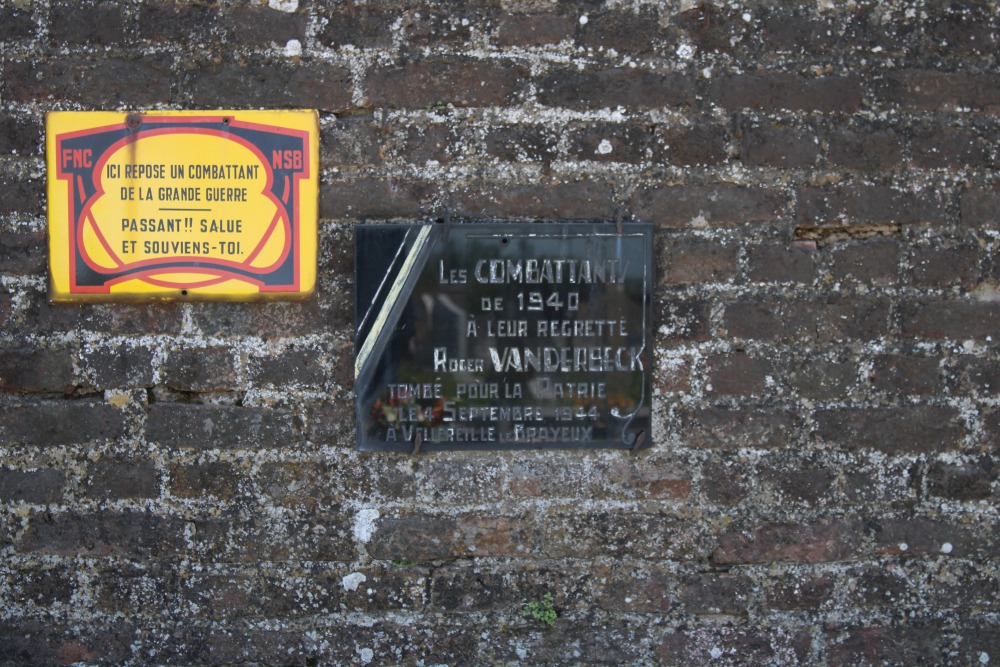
682	319
979	207
454	26
914	643
20	135
429	143
89	22
109	82
637	588
521	143
726	481
458	81
121	366
975	376
644	478
32	486
376	198
200	369
415	537
52	423
703	144
951	148
955	320
720	427
698	260
716	593
25	641
480	588
822	321
239	538
161	21
116	480
273	319
966	28
900	374
781	262
216	478
874	261
713	28
806	483
946	265
624	31
101	534
309	84
906	429
587	200
778	145
42	586
860	204
609	142
610	88
615	533
864	148
263	26
16	22
22	253
737	374
214	426
535	29
36	370
936	90
963	481
364	27
350	140
823	541
800	591
823	379
920	536
289	367
724	645
773	91
699	205
19	195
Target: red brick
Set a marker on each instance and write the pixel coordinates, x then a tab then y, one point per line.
737	374
639	590
376	198
924	536
943	264
459	81
698	260
115	480
781	262
361	26
713	205
823	379
88	22
902	375
284	84
522	143
873	261
262	26
36	371
720	644
702	144
611	88
775	91
950	320
902	430
716	593
865	148
800	592
537	29
824	541
629	143
589	200
859	204
951	148
914	643
820	321
102	534
778	145
712	28
733	428
935	90
170	22
963	481
110	82
636	32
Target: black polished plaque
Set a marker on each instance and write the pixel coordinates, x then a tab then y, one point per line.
503	336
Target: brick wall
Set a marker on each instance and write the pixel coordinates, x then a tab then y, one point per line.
178	482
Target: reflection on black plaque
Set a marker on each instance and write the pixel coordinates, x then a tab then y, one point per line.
503	336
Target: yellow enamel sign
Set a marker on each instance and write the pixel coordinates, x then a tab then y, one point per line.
182	204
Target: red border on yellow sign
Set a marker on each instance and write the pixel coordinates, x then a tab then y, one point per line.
189	204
